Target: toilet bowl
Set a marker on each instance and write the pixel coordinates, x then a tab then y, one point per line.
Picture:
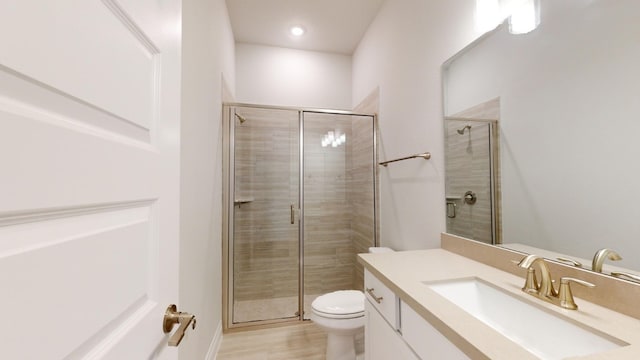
341	315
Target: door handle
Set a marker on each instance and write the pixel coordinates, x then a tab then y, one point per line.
172	317
293	215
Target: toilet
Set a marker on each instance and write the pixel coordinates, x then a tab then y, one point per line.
341	315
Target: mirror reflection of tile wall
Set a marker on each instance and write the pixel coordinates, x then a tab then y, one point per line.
469	138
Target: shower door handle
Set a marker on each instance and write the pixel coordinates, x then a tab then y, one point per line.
293	215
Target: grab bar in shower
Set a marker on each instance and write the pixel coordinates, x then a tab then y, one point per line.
424	155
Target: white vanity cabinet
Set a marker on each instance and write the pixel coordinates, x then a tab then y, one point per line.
382	340
424	339
395	331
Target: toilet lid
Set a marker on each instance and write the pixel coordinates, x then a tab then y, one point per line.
343	302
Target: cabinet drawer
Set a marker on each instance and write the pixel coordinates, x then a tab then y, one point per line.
426	340
382	298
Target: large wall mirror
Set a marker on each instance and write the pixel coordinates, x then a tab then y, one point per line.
556	114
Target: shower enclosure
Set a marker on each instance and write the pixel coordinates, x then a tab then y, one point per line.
299	205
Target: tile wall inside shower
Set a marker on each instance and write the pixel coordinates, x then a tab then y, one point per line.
265	245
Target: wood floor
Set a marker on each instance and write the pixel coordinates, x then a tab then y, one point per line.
299	341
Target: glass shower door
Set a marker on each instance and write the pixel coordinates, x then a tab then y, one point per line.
265	191
339	197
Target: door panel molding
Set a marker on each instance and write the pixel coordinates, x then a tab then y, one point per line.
135	30
9	218
114	332
90	57
29	98
105	253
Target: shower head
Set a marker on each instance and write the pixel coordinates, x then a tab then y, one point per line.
461	131
242	120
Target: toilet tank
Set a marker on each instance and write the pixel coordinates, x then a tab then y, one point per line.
380	249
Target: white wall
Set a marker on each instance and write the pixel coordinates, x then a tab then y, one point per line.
402	53
287	77
207	53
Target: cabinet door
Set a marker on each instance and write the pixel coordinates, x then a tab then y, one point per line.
426	340
382	342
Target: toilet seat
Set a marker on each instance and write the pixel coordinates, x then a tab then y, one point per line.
342	304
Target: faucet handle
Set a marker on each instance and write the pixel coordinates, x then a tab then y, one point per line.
531	285
627	275
565	294
569	261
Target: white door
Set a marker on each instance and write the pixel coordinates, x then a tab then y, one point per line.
89	141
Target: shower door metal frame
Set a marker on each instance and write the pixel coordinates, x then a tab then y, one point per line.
301	217
228	183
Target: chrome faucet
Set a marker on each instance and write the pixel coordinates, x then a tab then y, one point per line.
601	255
545	289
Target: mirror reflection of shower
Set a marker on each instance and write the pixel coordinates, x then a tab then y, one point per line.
462	130
470	177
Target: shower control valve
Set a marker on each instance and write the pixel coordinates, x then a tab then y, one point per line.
470	197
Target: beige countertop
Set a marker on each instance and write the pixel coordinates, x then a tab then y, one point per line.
405	271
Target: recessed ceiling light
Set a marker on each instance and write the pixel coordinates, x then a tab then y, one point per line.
297	30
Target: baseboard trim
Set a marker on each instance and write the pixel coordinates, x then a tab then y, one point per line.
215	343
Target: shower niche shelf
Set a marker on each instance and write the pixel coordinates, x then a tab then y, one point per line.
243	200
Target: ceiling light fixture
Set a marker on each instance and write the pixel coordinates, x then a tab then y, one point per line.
487	15
525	17
297	30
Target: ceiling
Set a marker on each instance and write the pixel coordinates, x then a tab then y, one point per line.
331	25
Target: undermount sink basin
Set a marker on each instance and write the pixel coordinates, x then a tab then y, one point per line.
540	331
